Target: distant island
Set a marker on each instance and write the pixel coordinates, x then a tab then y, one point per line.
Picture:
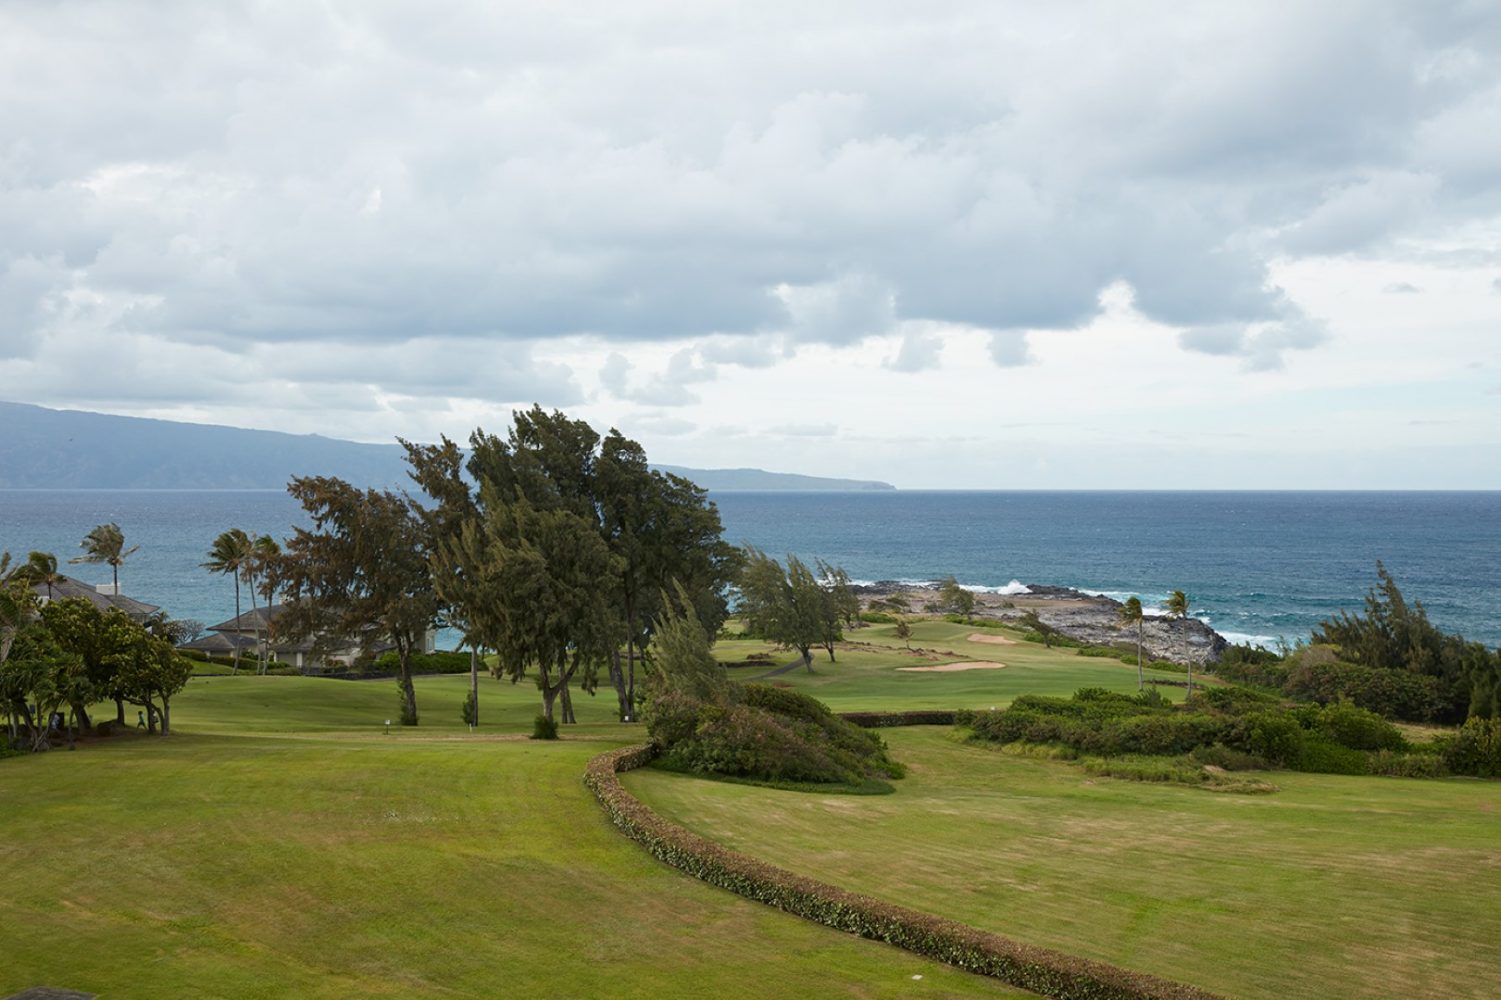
43	448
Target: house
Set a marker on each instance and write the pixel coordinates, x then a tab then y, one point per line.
255	630
101	596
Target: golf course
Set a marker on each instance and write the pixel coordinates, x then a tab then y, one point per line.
284	842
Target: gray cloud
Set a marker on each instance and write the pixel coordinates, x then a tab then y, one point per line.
302	175
1009	348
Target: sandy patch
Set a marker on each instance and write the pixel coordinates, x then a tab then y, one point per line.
994	640
948	668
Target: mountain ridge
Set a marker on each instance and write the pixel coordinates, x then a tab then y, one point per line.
45	448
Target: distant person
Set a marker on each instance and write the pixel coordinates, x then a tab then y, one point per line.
140	720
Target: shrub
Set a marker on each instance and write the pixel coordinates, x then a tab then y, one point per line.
1475	749
1233	699
877	618
1396	694
544	728
1357	728
883	720
467	711
1406	765
1320	755
442	661
1221	756
1273	736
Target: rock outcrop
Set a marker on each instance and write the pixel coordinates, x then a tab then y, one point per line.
1083	617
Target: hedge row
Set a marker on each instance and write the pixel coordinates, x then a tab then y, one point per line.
1043	971
885	720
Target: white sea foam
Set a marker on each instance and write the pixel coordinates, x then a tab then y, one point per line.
1245	638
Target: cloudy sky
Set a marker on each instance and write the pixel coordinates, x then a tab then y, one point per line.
942	244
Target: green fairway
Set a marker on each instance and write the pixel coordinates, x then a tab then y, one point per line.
1332	887
282	845
866	673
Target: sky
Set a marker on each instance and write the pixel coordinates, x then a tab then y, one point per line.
946	245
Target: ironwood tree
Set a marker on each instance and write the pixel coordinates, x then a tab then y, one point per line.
360	574
788	607
662	528
530	582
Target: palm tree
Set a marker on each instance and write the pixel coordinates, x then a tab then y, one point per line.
1177	607
1131	614
230	553
40	568
105	544
260	560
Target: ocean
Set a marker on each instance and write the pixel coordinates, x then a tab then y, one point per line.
1257	566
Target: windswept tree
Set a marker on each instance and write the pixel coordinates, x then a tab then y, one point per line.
229	555
1131	614
40	570
1033	621
259	573
903	631
536	588
36	680
836	581
955	598
786	607
662	528
105	544
360	573
1177	607
148	672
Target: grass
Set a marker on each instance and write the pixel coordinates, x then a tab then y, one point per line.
1333	887
281	844
865	674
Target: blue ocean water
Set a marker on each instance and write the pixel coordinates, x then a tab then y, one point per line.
1258	566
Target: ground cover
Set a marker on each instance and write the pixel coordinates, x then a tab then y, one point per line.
1334	886
281	844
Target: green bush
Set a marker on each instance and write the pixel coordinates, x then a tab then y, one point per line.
469	710
1273	736
1354	727
1234	699
1323	756
1475	749
440	661
544	728
1396	694
1406	765
878	618
1221	756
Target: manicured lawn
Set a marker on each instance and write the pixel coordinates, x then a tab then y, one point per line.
866	674
1331	887
282	845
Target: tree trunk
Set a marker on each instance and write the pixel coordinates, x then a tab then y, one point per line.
1141	680
830	647
630	691
617	680
81	715
807	652
166	715
235	668
474	683
408	692
120	711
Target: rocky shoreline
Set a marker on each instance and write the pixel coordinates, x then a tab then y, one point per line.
1073	613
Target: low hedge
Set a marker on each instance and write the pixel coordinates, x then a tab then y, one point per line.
1041	970
886	720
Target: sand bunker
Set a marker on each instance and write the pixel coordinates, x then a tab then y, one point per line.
949	668
995	640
